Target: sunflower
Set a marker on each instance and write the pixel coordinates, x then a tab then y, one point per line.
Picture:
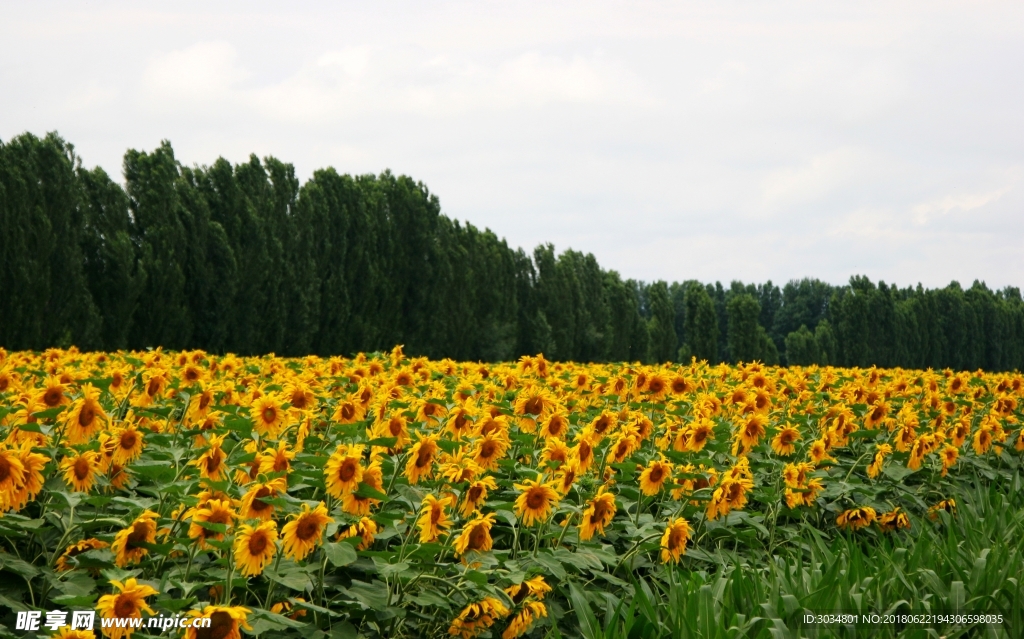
268	415
523	619
199	405
86	417
421	460
129	603
249	470
534	403
349	411
982	441
77	548
673	542
598	514
433	519
353	504
211	463
395	426
875	467
65	632
535	502
154	383
214	513
751	430
783	442
126	546
127	445
365	529
698	435
300	396
731	494
255	547
947	505
32	482
477	616
893	520
225	623
305	530
54	393
475	536
583	453
343	470
819	451
253	504
490	449
81	470
556	425
603	424
475	495
652	479
277	460
856	518
566	477
12	476
555	453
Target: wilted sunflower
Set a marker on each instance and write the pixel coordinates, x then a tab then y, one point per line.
126	546
77	548
255	547
475	535
365	529
80	470
875	467
523	619
893	520
535	502
476	617
433	519
305	530
343	470
225	623
129	603
730	495
673	542
598	514
856	518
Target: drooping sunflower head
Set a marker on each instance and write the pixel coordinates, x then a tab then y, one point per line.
535	502
305	530
673	542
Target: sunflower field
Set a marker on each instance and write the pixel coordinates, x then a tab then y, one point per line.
394	496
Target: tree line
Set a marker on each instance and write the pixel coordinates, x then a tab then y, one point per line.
245	259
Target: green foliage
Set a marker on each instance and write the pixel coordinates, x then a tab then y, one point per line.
245	259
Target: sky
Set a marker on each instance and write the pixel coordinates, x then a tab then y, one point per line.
673	140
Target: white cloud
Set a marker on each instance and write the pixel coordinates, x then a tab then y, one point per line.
671	139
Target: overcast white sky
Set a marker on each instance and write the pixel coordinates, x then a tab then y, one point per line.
673	140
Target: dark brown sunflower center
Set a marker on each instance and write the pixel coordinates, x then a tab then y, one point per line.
125	606
536	499
221	626
258	542
52	397
307	529
81	468
347	470
533	406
